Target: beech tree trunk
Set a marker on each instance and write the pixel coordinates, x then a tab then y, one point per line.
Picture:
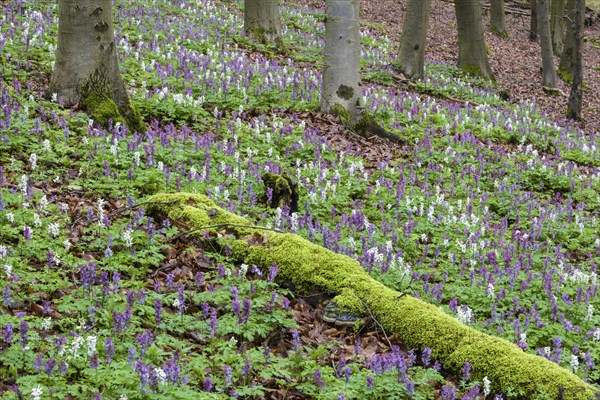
557	24
533	29
262	21
341	92
86	71
472	52
575	98
498	18
548	72
411	56
565	67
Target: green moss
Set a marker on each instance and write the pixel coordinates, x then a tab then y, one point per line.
102	108
340	111
565	75
494	29
345	92
420	325
283	191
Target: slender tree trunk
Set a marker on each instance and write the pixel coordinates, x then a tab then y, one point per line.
472	52
533	30
548	72
411	56
565	67
262	21
575	98
86	70
498	18
341	92
557	24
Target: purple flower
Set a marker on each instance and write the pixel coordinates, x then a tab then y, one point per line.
172	369
208	385
49	368
145	340
6	295
466	370
23	330
157	310
62	367
246	368
8	333
109	350
296	339
318	381
213	324
272	273
228	375
410	388
38	362
426	356
448	392
94	361
246	306
27	233
199	278
370	381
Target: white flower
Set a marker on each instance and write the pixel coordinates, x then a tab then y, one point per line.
47	323
489	291
160	166
136	158
47	146
161	375
101	204
33	161
36	392
54	95
243	270
176	303
24	184
8	269
486	386
123	397
91	342
10	217
53	229
464	314
67	245
574	362
590	312
37	221
127	238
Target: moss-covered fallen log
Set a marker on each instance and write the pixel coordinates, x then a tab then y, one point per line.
513	372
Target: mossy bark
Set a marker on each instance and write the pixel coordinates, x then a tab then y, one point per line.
411	56
498	18
472	51
262	21
86	71
309	266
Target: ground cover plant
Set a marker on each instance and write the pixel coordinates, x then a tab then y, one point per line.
489	211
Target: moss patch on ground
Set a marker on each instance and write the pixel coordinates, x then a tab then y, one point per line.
308	266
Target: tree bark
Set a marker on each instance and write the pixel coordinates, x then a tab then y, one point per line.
411	56
309	267
472	52
565	66
533	30
575	98
262	21
86	71
498	18
557	24
548	72
341	92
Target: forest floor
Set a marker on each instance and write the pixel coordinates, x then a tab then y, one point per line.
516	61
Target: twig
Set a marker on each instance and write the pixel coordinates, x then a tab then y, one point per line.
134	206
221	226
374	319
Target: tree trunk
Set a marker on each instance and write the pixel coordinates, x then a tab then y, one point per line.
262	21
86	71
472	52
565	67
498	18
309	267
557	24
548	72
411	56
533	30
575	98
341	91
